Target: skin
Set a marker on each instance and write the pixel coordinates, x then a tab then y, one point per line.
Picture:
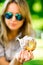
3	61
14	26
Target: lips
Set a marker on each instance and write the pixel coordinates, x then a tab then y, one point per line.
13	24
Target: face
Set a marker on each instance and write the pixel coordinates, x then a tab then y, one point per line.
13	23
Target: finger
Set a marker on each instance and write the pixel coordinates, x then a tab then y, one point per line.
31	55
28	55
21	56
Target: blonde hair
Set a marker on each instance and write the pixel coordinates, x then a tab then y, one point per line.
26	29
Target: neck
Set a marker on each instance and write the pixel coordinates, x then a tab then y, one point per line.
12	34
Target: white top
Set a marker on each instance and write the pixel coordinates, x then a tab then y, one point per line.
14	47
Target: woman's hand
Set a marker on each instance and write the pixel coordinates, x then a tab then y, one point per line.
25	55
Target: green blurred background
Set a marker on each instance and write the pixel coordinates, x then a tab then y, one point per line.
36	10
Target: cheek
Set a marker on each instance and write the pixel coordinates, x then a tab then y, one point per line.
6	22
20	23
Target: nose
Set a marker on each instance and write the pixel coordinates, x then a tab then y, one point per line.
13	18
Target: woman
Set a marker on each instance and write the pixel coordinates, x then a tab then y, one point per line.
15	23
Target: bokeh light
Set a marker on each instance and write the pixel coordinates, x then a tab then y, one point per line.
37	7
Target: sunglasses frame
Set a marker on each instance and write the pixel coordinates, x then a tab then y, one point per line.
10	14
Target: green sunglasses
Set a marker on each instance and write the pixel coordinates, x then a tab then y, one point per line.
9	15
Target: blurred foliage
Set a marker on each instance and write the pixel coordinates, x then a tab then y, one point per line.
2	1
38	24
36	9
34	62
36	4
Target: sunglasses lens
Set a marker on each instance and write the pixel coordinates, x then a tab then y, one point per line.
18	17
8	15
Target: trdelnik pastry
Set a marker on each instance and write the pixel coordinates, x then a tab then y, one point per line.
28	43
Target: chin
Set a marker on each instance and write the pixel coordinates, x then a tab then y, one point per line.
14	29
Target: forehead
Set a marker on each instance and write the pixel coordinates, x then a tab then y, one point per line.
13	7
